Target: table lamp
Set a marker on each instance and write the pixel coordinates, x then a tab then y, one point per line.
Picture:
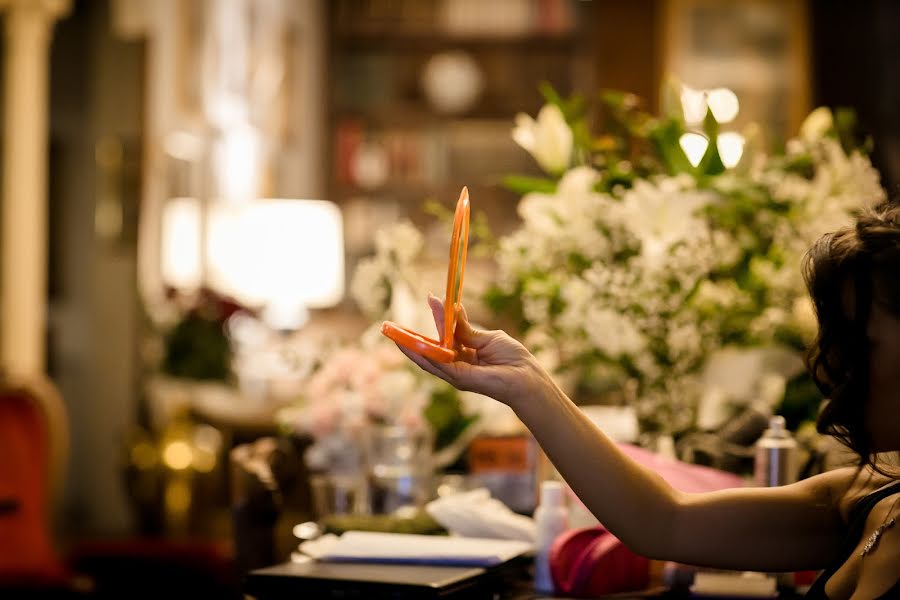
283	256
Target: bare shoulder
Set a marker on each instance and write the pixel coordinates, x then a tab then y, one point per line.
847	486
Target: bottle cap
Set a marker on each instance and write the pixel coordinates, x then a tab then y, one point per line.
777	427
552	493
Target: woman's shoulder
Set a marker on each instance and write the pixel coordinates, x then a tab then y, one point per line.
848	485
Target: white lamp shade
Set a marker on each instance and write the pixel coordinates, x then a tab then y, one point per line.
283	255
278	252
180	244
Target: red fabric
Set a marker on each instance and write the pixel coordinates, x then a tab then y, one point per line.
26	553
593	562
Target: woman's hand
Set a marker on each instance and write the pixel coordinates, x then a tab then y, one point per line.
489	362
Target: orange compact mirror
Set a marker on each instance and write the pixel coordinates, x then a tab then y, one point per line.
442	351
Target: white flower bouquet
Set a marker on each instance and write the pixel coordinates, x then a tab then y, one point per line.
662	258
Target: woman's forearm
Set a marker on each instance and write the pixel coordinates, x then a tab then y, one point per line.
634	503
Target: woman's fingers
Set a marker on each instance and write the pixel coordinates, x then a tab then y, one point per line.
466	354
425	364
437	311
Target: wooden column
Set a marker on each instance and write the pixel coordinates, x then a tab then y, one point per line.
23	270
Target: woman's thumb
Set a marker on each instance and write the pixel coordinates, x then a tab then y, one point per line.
468	335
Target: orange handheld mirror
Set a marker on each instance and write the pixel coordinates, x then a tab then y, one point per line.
442	351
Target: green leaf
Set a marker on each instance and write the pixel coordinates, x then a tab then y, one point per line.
665	136
436	209
711	163
482	242
521	184
550	94
846	126
620	101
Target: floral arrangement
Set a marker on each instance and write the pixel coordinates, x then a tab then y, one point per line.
368	382
195	345
661	258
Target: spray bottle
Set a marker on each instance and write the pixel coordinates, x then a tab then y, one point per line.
776	455
551	519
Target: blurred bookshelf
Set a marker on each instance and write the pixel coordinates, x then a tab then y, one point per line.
422	99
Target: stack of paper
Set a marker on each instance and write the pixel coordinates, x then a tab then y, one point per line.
400	548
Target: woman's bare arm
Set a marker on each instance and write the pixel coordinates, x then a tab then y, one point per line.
766	529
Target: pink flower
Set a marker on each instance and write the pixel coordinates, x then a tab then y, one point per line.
356	425
374	403
411	419
365	374
323	419
389	357
319	385
345	361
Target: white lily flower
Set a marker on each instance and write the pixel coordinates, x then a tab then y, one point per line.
817	124
548	139
661	215
577	182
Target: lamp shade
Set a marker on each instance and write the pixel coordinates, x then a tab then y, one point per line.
282	255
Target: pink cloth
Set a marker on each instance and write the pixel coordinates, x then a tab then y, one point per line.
683	476
592	562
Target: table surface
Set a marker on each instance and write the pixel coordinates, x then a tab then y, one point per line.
358	580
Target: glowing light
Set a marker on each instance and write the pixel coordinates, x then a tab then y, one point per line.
694	146
183	145
181	256
723	103
178	455
693	105
207	443
731	148
236	161
203	461
178	496
286	255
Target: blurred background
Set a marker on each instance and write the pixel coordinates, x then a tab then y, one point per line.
170	164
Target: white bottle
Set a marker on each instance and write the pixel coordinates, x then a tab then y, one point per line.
776	456
551	519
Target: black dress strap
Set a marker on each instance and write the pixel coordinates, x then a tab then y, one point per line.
856	524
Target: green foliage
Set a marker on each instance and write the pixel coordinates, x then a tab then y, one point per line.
445	415
481	239
846	128
420	523
197	348
801	401
521	184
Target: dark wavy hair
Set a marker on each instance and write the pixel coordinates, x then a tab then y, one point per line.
845	272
